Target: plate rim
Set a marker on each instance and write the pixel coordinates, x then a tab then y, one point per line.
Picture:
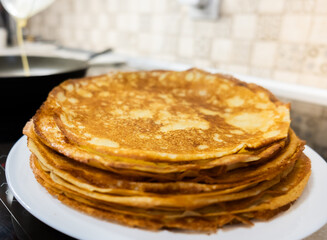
21	145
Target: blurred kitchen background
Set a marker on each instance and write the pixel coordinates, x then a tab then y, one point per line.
284	40
280	40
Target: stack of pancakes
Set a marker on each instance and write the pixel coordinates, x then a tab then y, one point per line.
184	150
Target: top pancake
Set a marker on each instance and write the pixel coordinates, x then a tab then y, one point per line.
163	115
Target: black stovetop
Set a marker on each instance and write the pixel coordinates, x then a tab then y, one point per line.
16	223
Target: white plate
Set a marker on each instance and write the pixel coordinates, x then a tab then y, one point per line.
305	217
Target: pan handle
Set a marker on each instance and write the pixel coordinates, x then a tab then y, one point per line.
94	55
90	54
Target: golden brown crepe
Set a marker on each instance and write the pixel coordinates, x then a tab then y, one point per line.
264	205
158	115
184	150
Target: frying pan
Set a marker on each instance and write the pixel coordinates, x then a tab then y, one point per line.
21	96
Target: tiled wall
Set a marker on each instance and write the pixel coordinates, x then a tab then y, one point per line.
284	40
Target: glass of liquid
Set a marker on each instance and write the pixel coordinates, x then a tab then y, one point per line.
21	11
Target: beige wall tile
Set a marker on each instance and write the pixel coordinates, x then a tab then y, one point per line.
84	22
295	28
172	6
79	35
290	57
241	53
112	6
63	6
94	36
264	54
202	46
286	76
164	24
268	27
145	6
244	26
172	24
77	6
157	41
103	21
271	6
187	27
185	47
144	42
111	38
300	6
239	6
223	27
77	23
67	21
318	33
95	6
315	61
134	22
239	69
127	6
65	35
204	28
260	72
159	6
169	45
222	50
127	41
313	80
144	22
202	63
229	7
158	24
321	6
123	22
